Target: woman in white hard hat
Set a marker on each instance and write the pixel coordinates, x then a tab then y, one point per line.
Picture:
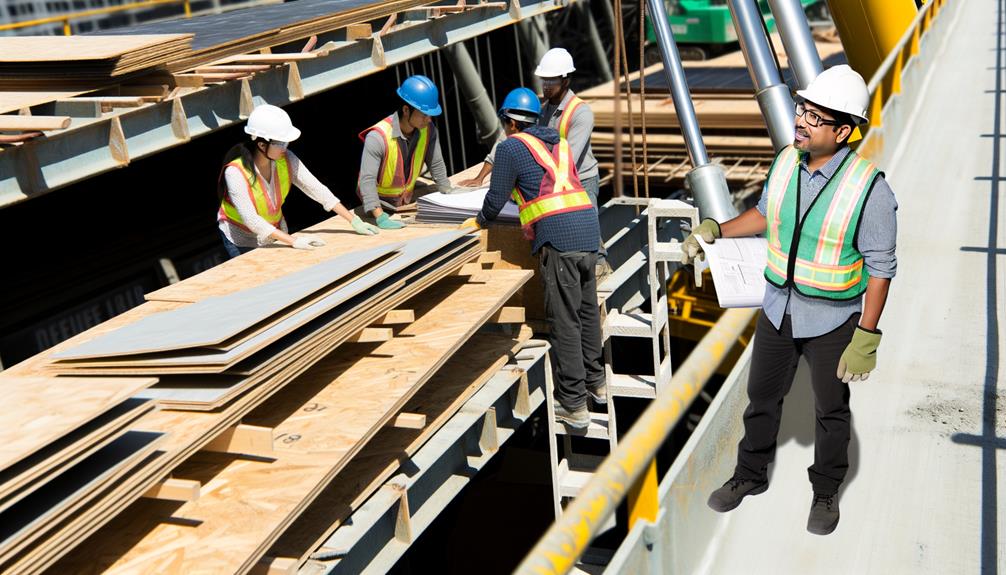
255	180
831	225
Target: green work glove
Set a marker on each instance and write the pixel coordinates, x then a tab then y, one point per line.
860	356
386	223
709	231
363	228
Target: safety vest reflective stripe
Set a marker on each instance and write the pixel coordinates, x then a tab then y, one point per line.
823	277
269	210
787	162
567	116
840	212
393	181
560	191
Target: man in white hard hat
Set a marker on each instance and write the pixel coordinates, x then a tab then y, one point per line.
255	179
829	217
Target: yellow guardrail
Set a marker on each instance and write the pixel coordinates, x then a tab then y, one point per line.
67	18
623	470
886	82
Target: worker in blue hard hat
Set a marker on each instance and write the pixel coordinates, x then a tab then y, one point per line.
537	169
254	182
395	150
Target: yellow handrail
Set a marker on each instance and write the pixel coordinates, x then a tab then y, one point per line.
559	549
67	18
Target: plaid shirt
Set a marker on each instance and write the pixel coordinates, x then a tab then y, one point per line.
567	232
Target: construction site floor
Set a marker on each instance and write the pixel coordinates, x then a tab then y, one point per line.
927	460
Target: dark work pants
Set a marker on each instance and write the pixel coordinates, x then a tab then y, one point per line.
574	323
773	365
231	248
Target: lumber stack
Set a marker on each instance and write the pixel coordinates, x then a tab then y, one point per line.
70	61
732	126
275	373
71	455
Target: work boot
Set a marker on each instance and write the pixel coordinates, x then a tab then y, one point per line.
733	492
576	418
823	514
599	394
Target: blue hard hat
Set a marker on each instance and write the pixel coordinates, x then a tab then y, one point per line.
521	104
421	93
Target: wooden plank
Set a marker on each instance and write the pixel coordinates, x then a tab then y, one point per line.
509	314
276	58
359	31
396	317
58	49
33	123
372	335
410	420
174	490
245	440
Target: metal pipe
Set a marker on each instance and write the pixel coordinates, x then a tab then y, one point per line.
567	539
772	94
596	45
791	21
487	124
534	37
707	181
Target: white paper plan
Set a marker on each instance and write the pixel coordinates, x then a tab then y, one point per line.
738	267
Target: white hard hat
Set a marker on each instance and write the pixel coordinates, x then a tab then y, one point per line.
556	62
842	89
272	123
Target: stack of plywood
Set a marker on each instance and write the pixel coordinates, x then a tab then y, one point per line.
71	455
69	61
276	371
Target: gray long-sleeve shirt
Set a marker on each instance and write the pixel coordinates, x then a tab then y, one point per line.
875	239
374	150
581	126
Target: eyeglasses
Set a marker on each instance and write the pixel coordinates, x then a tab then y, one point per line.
281	145
552	81
814	119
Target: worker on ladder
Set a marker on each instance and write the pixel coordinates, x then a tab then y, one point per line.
537	169
395	150
574	120
254	183
831	225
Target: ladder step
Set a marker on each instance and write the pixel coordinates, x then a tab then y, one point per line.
643	386
629	324
667	252
671	209
597	429
572	479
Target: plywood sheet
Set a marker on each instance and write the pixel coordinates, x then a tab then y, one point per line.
50	407
58	49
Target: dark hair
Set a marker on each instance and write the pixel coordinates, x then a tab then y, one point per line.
245	151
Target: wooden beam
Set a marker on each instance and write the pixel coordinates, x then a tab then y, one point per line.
270	58
358	31
508	314
372	334
397	317
174	490
110	101
410	421
231	69
243	439
33	123
491	257
145	91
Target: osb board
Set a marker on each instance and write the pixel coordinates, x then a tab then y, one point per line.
48	408
265	264
439	399
516	254
59	49
12	101
245	504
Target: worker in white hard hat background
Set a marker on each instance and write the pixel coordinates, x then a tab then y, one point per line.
395	150
830	220
254	183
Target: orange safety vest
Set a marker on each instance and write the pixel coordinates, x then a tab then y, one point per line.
560	190
270	211
393	184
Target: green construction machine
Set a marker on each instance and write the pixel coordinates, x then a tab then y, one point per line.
703	28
